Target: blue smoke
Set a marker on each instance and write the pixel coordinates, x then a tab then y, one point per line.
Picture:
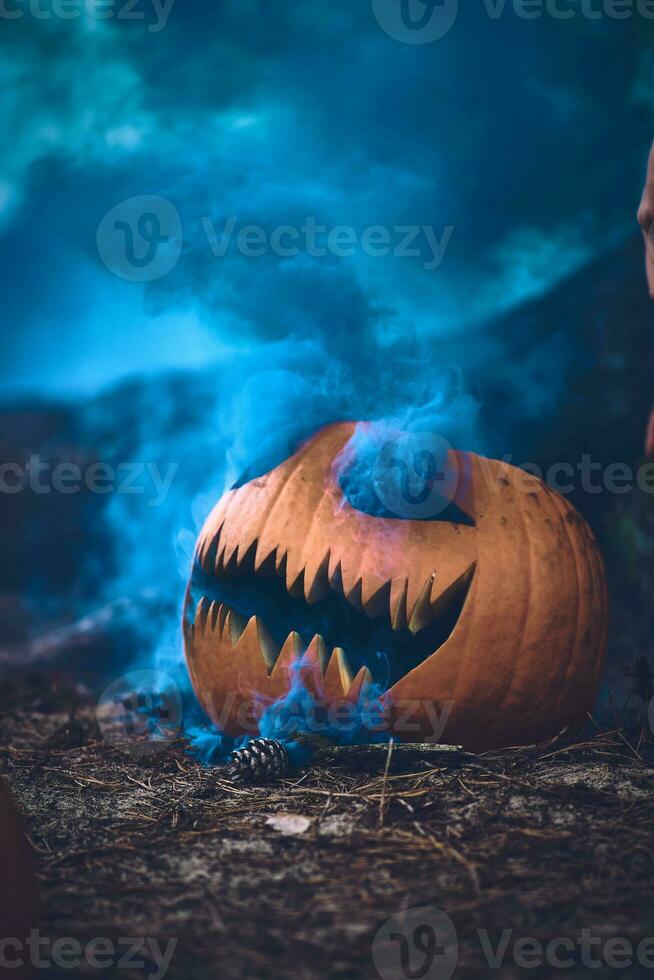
216	371
248	414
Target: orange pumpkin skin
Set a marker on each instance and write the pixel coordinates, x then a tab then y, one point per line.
525	657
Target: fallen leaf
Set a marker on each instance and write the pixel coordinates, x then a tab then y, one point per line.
289	824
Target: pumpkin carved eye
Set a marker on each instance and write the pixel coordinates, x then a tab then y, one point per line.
395	476
490	598
447	511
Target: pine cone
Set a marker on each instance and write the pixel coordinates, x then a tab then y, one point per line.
263	760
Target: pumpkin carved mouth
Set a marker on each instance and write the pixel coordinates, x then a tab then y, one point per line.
376	641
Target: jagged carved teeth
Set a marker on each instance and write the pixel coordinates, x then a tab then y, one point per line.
228	626
315	582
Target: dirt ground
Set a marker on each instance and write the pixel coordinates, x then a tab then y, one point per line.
541	842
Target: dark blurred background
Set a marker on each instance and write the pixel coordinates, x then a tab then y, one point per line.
521	143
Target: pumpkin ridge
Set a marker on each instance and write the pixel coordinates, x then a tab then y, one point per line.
563	511
275	502
521	632
478	463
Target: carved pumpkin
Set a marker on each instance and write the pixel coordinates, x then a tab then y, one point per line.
494	613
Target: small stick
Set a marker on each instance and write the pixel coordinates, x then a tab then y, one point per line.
385	783
323	749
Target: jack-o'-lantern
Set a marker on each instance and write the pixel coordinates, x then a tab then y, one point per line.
491	612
